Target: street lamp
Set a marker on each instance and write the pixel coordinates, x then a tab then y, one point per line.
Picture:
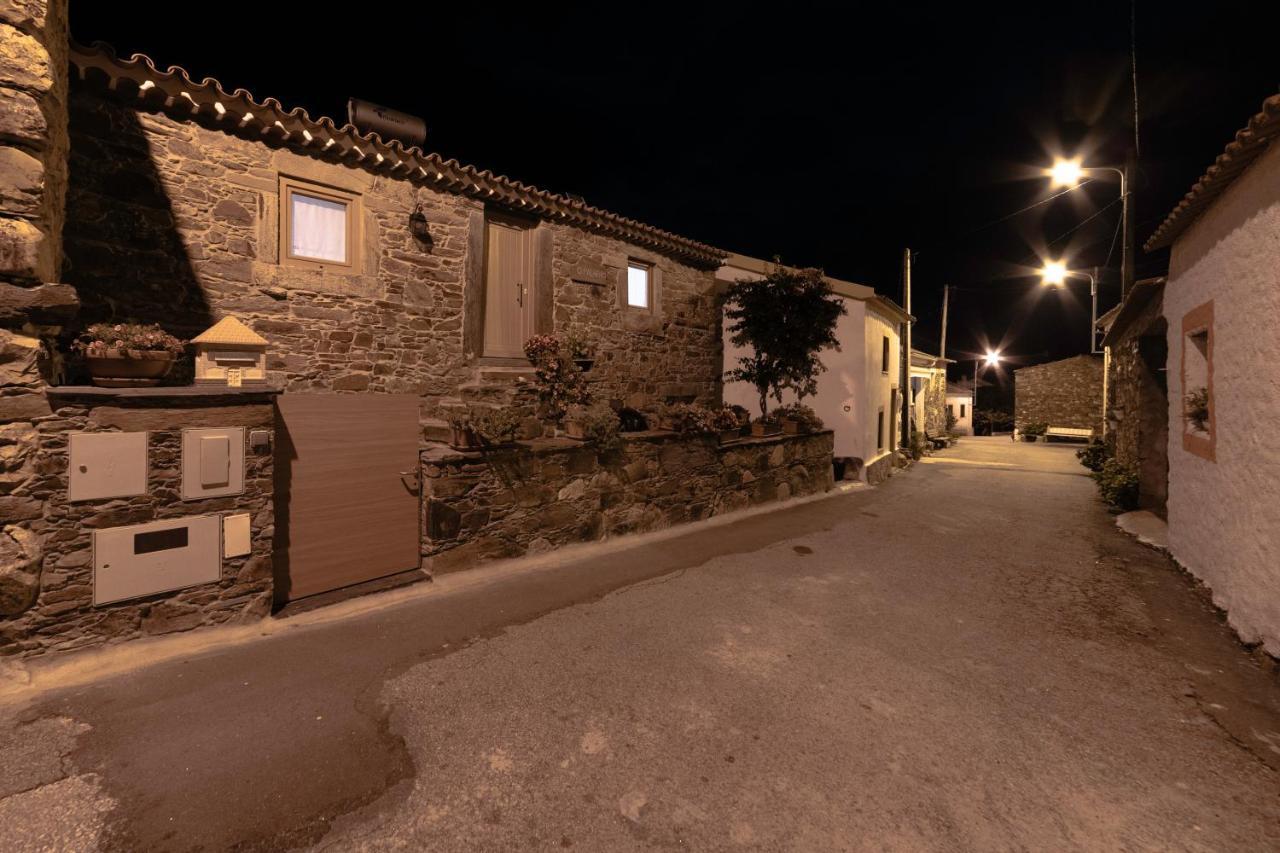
991	359
1055	274
1069	173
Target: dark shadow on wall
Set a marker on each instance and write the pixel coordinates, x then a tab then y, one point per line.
123	251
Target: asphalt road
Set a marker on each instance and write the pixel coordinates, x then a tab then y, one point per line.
968	657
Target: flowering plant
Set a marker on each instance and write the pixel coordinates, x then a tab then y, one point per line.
597	423
693	418
802	414
129	340
560	382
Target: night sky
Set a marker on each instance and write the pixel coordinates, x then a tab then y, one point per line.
831	140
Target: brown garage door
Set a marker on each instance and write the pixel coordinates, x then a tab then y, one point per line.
346	493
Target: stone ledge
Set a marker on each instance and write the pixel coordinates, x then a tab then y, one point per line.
435	451
197	394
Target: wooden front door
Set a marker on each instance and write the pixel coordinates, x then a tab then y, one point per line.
509	297
346	470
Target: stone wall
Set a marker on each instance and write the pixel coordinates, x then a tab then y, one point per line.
1137	413
1065	393
33	304
935	403
552	492
163	212
55	611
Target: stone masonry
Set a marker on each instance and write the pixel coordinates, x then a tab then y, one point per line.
547	493
57	613
1066	393
33	304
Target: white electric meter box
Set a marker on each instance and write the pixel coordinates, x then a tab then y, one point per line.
159	556
106	465
212	463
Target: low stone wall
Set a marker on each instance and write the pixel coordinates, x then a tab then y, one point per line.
551	492
49	606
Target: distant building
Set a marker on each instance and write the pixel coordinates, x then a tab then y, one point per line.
928	392
960	407
1221	306
1064	395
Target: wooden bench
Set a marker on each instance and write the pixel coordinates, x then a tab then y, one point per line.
1069	432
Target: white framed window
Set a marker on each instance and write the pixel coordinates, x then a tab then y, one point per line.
319	226
639	285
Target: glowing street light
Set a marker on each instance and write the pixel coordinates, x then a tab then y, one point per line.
1055	274
1069	173
1065	173
993	358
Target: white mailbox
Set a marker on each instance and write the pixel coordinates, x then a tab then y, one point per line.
158	556
212	463
106	465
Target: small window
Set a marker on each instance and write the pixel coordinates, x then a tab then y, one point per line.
1199	421
639	285
880	430
884	355
962	411
318	226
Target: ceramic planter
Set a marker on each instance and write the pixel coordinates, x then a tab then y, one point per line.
464	438
573	429
117	370
760	430
790	426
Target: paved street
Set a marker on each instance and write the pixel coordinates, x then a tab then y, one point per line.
969	657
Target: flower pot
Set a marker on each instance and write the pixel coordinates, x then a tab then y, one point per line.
760	430
115	369
790	426
728	435
464	438
573	429
669	424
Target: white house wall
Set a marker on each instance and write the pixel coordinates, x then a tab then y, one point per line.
963	425
1224	514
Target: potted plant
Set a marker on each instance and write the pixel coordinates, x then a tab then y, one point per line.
598	424
797	418
560	383
464	435
580	352
124	355
1195	409
1033	431
725	422
497	426
767	425
743	417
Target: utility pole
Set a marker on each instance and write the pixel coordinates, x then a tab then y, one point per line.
904	437
942	343
1126	215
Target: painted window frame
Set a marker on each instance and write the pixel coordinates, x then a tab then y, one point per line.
1198	321
289	187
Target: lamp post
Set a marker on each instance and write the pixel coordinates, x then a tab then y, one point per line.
1055	274
1068	173
991	359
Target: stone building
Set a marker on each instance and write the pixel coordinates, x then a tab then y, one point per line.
1221	310
929	392
394	288
1066	393
1137	389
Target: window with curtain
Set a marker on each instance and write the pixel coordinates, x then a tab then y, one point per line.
638	285
318	226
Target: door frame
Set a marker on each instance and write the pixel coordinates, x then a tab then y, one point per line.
529	325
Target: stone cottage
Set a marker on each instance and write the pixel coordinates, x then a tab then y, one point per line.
1137	389
392	287
1063	394
1221	312
929	392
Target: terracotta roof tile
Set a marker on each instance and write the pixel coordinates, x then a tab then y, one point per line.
1250	141
175	93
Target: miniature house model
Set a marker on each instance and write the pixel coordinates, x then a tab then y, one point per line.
230	353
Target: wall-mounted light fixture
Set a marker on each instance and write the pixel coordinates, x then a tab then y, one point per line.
419	228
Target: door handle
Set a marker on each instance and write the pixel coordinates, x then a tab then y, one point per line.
520	294
413	484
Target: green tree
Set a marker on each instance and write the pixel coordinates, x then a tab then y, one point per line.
785	319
